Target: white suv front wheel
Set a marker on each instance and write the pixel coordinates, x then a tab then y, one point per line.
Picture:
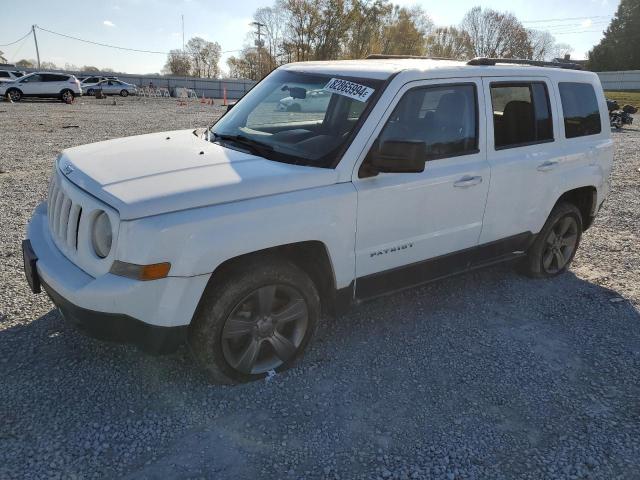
257	319
67	96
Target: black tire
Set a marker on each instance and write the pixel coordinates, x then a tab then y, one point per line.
294	107
124	93
235	301
14	94
91	92
67	95
556	244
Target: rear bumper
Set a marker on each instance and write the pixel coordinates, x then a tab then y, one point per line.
118	327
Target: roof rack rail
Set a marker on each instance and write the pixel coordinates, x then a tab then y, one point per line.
381	56
520	61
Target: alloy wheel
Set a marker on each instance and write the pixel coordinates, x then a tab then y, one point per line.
265	329
560	244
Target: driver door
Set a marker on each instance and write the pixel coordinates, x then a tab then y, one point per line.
414	227
31	85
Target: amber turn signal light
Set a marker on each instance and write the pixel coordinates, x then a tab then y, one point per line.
154	271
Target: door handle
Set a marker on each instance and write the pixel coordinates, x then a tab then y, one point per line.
546	166
468	181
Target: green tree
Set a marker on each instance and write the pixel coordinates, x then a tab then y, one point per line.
619	50
405	31
178	64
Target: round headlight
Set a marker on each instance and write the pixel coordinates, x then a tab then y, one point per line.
101	235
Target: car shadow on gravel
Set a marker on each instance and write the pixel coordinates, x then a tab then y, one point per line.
500	374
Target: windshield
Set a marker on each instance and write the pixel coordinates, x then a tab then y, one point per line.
296	117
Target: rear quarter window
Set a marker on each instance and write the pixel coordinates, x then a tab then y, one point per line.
580	109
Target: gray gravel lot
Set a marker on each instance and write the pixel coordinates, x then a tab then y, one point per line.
484	376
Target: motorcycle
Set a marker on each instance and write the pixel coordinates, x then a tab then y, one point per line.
619	117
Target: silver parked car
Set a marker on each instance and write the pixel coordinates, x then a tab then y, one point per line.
112	87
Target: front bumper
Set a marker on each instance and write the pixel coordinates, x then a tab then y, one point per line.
154	315
118	327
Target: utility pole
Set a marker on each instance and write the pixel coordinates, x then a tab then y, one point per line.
182	33
35	39
259	44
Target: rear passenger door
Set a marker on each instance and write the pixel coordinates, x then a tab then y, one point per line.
525	157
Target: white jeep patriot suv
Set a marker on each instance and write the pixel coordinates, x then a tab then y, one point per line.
237	238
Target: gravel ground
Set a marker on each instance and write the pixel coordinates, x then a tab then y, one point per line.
486	375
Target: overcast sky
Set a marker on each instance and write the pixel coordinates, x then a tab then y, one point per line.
155	25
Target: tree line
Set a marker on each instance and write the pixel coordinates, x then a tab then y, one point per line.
301	30
619	50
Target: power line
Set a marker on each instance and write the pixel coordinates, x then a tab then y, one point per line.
566	19
114	46
13	43
101	44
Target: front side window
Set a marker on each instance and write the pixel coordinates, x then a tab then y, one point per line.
298	117
32	78
4	74
521	114
444	117
580	109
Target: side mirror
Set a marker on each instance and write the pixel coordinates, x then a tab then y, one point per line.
230	106
399	156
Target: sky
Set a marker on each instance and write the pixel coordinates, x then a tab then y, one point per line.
156	25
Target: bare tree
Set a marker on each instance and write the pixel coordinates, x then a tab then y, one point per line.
274	20
45	65
542	45
496	34
449	42
2	58
561	50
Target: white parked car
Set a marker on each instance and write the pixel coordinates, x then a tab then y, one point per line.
42	85
238	239
10	75
313	101
112	87
92	80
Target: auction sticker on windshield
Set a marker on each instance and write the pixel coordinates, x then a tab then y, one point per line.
349	89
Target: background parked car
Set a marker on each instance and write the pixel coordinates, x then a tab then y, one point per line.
88	81
112	87
43	85
315	101
10	75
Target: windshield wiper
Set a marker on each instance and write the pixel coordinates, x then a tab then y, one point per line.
260	148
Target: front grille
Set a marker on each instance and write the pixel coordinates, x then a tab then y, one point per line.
64	216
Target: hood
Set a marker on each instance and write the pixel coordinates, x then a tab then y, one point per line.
163	172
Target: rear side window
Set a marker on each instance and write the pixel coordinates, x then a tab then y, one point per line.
444	117
580	109
52	77
521	114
